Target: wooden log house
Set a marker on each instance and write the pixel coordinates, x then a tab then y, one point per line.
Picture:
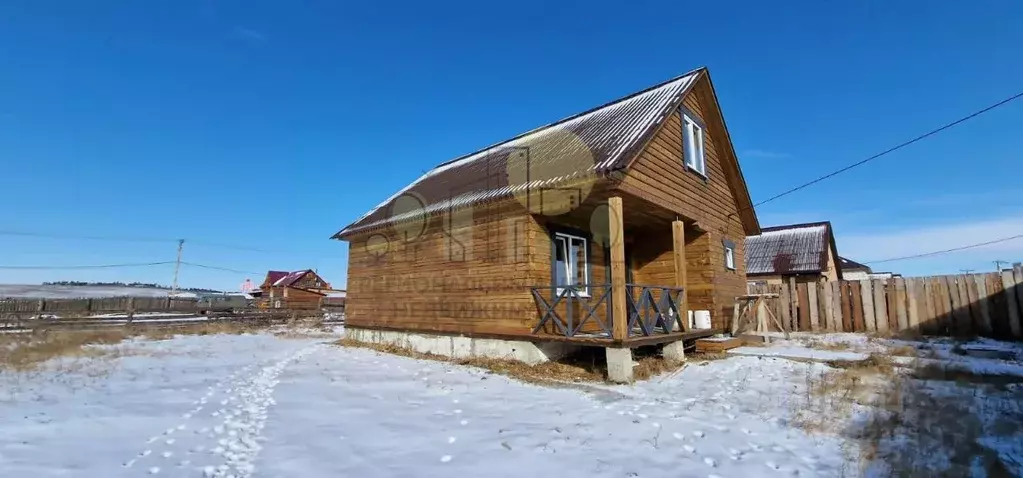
795	253
293	290
602	229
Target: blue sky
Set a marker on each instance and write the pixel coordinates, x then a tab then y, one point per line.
271	125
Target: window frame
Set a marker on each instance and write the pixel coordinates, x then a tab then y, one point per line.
729	251
558	237
694	156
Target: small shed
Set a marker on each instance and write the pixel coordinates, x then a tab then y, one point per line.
803	252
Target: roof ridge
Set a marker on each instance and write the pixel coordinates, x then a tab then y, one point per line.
572	117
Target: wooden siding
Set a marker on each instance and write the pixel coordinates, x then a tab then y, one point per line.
658	176
473	279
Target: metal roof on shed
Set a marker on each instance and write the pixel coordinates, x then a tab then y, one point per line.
795	249
610	135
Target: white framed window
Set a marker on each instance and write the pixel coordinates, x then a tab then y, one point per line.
729	255
571	263
692	141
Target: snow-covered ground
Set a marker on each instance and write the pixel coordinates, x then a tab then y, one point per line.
267	406
258	405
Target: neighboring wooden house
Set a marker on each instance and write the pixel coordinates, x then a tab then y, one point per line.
852	270
601	229
293	290
799	252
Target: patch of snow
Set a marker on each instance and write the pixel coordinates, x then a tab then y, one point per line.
799	353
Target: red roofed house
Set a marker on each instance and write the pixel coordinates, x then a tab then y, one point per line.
293	290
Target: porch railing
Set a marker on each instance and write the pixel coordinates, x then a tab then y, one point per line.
573	296
650	309
654	309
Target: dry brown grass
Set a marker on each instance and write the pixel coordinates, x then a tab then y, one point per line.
588	365
900	422
23	352
27	351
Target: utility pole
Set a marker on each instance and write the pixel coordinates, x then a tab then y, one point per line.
177	265
966	271
998	265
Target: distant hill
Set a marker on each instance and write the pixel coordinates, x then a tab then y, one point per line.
125	284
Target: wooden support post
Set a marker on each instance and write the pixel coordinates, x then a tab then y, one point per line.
620	319
678	236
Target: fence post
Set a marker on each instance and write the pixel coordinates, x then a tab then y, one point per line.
984	300
1012	302
813	305
880	306
867	296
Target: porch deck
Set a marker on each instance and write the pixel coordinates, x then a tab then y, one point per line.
631	341
585	314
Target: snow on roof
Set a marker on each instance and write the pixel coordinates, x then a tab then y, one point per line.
608	133
291	278
800	248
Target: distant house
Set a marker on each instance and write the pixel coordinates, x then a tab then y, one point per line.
852	270
803	252
293	290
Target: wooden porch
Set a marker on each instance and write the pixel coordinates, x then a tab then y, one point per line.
623	311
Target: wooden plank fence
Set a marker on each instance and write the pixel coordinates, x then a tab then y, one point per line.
988	305
85	306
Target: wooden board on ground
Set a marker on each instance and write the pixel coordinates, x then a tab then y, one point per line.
718	344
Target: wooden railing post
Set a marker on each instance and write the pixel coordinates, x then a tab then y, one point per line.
616	234
678	236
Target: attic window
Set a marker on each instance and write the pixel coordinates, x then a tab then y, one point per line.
729	255
692	141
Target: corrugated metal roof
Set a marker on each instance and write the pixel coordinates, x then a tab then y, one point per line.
274	276
291	278
794	249
594	142
851	265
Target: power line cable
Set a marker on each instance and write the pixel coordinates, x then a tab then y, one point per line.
216	268
97	266
885	152
954	249
48	235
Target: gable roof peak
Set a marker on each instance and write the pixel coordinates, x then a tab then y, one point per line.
610	134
